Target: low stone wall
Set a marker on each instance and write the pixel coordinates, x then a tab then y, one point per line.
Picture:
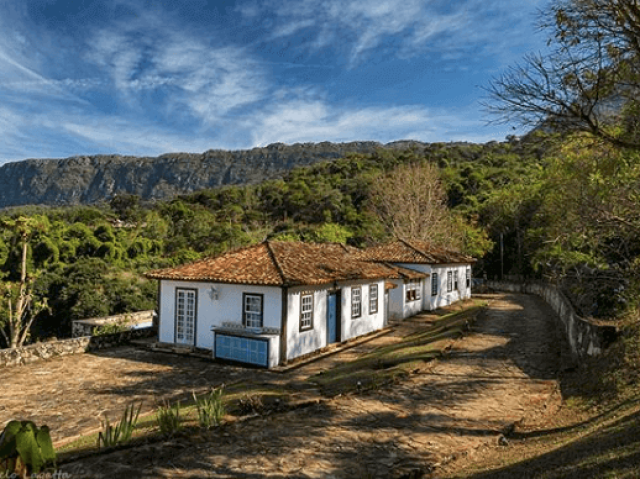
64	347
86	327
586	338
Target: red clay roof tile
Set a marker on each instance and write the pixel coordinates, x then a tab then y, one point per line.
414	251
284	264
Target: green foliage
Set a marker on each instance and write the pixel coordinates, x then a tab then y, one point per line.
111	436
114	327
105	233
45	253
168	418
523	190
25	449
210	408
331	233
108	251
126	206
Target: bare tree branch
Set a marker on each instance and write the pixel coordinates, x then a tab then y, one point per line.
592	73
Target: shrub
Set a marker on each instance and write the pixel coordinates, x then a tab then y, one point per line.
25	450
210	408
119	326
168	418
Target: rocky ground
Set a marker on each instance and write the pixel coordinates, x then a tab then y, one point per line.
497	379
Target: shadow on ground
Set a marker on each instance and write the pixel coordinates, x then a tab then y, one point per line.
612	451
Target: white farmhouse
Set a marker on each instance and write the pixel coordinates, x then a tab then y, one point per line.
272	302
447	275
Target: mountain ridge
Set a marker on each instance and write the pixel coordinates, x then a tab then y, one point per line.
92	179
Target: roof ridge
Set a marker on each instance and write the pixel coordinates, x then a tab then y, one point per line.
425	255
276	262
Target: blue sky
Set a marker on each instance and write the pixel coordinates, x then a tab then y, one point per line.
145	77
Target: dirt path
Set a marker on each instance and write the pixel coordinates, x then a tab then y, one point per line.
499	376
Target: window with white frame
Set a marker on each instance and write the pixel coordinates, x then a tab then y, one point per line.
306	312
185	315
455	279
468	278
252	310
412	290
373	298
449	281
434	284
356	302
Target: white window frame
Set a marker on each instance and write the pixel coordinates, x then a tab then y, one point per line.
186	315
456	283
449	281
434	284
373	298
306	312
468	278
251	317
356	302
412	290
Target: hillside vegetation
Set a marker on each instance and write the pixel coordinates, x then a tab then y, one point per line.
564	207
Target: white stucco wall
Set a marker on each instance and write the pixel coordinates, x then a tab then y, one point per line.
213	312
368	322
304	342
399	307
300	343
444	297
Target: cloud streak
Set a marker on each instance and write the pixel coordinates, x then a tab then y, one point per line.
305	120
148	80
403	27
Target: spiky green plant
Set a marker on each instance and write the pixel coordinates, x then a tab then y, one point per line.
210	408
168	418
25	450
120	433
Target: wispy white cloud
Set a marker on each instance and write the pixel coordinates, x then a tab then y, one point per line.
407	26
305	120
208	81
146	84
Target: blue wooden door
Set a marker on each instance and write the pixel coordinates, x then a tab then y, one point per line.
332	318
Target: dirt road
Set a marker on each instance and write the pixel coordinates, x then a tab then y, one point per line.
498	377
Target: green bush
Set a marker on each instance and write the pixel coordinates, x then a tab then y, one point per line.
105	233
113	328
25	449
168	418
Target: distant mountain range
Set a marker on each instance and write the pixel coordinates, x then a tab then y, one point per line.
92	179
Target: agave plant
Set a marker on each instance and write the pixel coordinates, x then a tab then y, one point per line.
25	450
121	433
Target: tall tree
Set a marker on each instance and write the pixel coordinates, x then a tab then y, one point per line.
589	81
19	307
411	202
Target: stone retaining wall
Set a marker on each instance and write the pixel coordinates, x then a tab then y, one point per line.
64	347
87	327
586	338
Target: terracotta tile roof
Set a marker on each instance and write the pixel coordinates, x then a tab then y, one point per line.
417	252
405	273
283	263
